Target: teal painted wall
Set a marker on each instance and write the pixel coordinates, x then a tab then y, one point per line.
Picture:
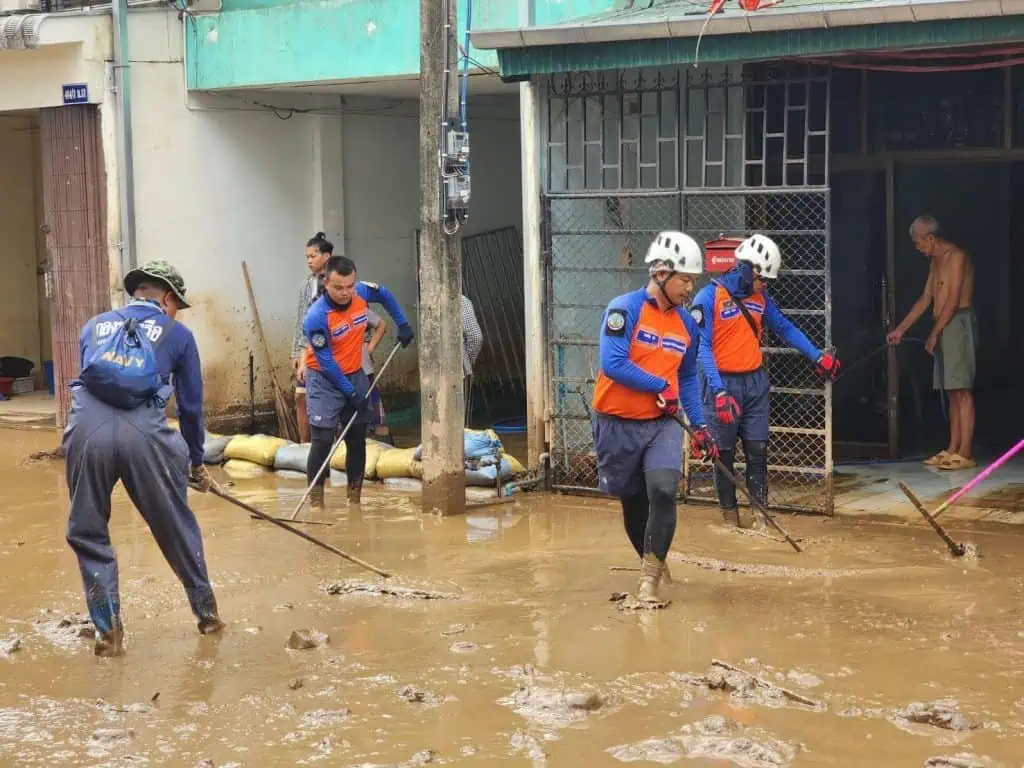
254	43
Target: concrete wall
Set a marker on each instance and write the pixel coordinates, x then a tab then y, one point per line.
218	181
20	332
306	41
71	49
381	170
251	175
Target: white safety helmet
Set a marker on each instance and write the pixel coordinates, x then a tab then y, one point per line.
763	254
676	251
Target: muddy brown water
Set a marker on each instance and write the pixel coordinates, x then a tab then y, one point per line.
524	661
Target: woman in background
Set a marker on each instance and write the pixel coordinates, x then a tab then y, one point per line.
318	250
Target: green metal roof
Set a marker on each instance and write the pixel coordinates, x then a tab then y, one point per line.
517	63
666	34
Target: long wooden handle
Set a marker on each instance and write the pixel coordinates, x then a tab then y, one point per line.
738	483
216	490
957	549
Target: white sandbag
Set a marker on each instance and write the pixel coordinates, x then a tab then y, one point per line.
293	456
488	474
213	448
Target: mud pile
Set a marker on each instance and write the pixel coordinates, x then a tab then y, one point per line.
713	738
744	687
357	587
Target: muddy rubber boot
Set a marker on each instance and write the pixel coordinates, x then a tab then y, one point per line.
666	577
731	516
746	517
651	569
316	497
110	644
355	493
210	625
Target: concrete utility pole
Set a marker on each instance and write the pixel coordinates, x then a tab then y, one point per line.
440	331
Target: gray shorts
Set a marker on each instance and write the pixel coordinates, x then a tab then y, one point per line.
627	448
327	407
955	355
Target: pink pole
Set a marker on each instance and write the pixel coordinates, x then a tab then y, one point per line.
991	468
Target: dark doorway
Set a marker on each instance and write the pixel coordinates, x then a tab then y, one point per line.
858	262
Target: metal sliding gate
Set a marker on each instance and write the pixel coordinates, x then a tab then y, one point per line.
723	150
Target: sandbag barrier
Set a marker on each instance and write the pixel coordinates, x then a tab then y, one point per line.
252	456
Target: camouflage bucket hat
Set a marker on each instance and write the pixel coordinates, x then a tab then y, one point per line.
157	270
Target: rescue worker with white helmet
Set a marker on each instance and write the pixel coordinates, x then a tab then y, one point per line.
732	313
648	364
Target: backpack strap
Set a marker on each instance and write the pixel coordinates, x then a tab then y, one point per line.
743	309
132	323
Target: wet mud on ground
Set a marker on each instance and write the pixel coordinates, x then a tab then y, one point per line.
874	648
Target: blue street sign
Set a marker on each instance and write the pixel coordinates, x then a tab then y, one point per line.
76	93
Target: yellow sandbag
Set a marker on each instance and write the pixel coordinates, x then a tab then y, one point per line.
259	449
338	460
374	451
416	470
240	469
397	462
514	464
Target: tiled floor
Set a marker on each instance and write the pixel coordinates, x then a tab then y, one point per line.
873	489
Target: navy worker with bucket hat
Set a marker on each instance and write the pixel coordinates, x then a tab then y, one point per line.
133	359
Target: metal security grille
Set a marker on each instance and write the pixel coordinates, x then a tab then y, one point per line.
723	150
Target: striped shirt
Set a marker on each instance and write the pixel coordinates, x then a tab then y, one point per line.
307	295
472	337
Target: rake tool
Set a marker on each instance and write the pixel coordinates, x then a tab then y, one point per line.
742	486
341	438
216	490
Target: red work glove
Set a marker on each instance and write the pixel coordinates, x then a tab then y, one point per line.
726	408
828	366
668	401
704	443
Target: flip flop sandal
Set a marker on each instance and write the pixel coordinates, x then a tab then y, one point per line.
955	462
937	459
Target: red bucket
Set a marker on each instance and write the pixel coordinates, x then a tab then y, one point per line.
5	386
720	254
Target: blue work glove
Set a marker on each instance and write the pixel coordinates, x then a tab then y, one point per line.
405	334
357	401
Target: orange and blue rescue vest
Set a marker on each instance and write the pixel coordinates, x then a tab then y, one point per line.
643	352
729	345
336	333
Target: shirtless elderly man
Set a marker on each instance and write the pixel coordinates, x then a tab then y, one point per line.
949	291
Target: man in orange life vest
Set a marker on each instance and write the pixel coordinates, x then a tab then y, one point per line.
336	384
648	358
732	313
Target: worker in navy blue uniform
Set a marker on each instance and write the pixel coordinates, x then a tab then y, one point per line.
104	444
336	385
648	359
732	313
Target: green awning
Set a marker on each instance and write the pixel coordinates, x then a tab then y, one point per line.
666	33
517	63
